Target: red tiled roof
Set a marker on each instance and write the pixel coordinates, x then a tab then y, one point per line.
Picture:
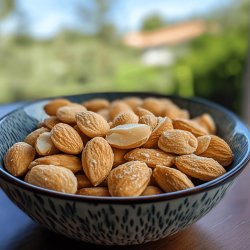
171	35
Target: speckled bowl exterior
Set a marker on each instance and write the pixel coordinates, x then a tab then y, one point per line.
115	220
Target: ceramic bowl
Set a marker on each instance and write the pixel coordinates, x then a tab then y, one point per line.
114	220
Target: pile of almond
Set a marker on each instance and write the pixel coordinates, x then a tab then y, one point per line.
127	147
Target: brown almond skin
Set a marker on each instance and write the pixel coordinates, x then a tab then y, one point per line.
128	117
133	101
92	124
206	121
51	121
219	150
190	126
171	180
96	104
119	156
139	111
154	105
53	177
32	137
152	157
151	190
178	142
97	160
202	168
94	191
18	158
149	120
203	143
52	106
117	107
66	139
129	179
163	125
70	162
68	113
83	181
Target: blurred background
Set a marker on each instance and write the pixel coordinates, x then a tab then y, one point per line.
189	48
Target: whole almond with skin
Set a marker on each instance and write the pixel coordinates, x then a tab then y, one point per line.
44	145
177	141
118	107
203	143
84	137
190	126
94	191
68	113
133	101
53	177
83	181
18	158
97	160
51	121
129	179
52	106
128	117
92	124
104	113
96	104
206	121
171	180
128	136
149	120
151	190
139	111
71	162
202	168
26	177
154	105
119	156
164	124
66	139
32	137
152	157
219	150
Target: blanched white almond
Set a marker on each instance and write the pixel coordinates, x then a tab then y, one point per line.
128	136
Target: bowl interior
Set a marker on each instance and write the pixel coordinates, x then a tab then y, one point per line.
15	126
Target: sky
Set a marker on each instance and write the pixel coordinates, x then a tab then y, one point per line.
47	17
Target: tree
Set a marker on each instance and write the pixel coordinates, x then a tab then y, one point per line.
153	22
6	7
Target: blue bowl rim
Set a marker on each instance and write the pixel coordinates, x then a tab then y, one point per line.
231	174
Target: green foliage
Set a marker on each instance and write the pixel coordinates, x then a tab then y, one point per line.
153	22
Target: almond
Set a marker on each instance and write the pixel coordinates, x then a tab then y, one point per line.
206	121
151	190
219	150
178	142
129	179
71	162
154	105
172	111
133	101
127	117
53	177
202	168
84	137
118	107
51	121
97	160
170	179
149	120
68	113
190	126
94	191
92	124
164	124
96	104
104	113
44	144
128	136
32	137
26	178
52	106
18	158
203	143
66	139
151	157
141	112
83	181
40	124
119	156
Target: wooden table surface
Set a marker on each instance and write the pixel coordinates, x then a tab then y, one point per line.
227	226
